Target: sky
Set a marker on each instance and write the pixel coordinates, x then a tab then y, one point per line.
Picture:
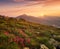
35	8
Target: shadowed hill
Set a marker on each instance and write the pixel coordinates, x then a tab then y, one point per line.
47	20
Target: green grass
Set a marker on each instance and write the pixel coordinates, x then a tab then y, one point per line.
13	26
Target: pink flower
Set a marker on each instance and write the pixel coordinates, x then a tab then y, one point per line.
6	33
28	40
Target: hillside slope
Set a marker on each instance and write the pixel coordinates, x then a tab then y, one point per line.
19	33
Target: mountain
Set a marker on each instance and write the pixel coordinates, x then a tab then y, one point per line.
47	20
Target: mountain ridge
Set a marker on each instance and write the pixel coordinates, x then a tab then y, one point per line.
47	20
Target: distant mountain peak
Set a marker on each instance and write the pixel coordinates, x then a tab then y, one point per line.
23	15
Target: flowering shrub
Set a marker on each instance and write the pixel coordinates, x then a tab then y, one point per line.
17	39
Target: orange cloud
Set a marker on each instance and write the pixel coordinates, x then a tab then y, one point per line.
33	7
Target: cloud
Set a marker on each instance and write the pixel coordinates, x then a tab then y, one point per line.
18	0
31	0
26	0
